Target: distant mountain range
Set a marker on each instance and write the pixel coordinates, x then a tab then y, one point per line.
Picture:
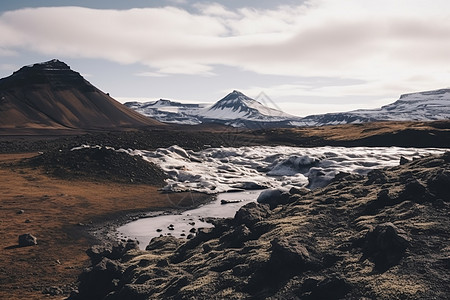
235	109
49	96
238	110
422	106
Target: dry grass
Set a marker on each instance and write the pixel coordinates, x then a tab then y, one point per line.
55	208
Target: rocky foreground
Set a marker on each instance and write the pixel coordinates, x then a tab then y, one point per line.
381	236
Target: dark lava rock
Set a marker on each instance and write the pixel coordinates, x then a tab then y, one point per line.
251	213
236	237
99	163
376	176
26	240
99	280
332	288
415	191
112	251
166	243
299	191
289	255
273	197
310	248
439	184
403	160
385	245
53	291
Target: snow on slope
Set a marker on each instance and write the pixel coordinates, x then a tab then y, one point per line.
169	111
422	106
236	105
235	109
238	110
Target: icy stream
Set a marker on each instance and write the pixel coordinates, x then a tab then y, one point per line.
248	169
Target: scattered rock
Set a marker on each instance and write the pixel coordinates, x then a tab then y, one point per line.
112	251
252	186
164	243
99	163
403	160
289	255
26	240
385	245
329	288
251	213
273	197
20	212
223	201
376	177
53	291
320	246
299	191
439	184
236	238
415	191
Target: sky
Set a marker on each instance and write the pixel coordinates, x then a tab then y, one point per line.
307	56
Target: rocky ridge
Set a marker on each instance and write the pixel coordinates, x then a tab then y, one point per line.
99	163
381	236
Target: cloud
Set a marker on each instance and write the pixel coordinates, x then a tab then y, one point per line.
151	74
384	44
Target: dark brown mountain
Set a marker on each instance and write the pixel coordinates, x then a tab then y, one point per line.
51	96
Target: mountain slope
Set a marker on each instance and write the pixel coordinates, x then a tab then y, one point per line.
236	105
169	111
421	106
50	95
238	110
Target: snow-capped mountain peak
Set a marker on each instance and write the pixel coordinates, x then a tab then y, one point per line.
421	106
236	106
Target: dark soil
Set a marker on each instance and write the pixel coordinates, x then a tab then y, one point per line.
402	134
99	163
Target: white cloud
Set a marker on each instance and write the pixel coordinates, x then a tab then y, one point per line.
390	46
150	74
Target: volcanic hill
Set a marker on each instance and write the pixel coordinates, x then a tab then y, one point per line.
51	96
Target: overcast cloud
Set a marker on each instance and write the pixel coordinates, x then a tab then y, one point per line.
380	47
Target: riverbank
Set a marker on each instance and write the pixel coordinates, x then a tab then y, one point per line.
60	214
380	236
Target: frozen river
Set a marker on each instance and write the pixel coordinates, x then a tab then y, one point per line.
246	170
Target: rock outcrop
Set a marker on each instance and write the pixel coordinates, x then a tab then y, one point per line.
384	236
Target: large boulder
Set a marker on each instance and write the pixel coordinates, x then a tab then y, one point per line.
273	197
